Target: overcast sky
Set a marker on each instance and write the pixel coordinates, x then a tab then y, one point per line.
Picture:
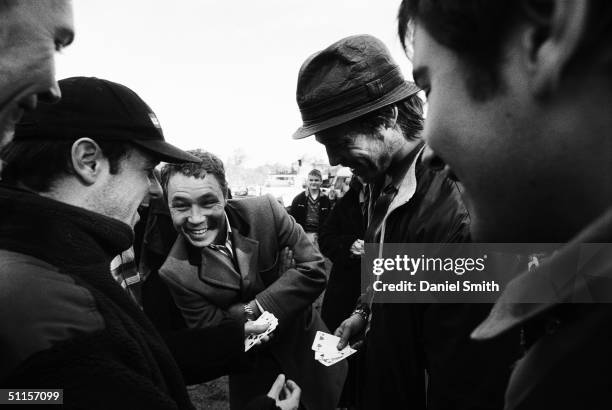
221	74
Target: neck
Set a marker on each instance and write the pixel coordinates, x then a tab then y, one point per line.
403	157
313	192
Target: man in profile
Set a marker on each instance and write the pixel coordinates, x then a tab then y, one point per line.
74	177
519	97
355	100
33	31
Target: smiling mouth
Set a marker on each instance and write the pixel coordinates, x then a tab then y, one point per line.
196	232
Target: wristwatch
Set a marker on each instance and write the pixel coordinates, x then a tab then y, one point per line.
361	312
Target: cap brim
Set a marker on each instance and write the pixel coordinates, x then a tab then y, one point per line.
166	152
403	91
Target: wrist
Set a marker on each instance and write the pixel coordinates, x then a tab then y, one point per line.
362	313
251	311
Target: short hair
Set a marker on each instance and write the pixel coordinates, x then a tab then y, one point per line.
476	29
38	164
210	164
315	173
409	118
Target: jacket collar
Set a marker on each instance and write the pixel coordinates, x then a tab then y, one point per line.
58	233
564	278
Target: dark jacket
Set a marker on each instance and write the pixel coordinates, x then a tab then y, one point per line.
299	205
205	284
407	340
342	228
64	322
568	356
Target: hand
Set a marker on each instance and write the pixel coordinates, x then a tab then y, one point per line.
285	394
357	248
350	328
251	328
286	260
237	311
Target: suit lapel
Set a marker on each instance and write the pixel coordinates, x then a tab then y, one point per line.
246	253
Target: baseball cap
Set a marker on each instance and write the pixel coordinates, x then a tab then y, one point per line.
104	111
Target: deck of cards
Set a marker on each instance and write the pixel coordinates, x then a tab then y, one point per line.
325	350
265	318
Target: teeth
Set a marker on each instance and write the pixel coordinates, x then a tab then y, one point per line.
198	231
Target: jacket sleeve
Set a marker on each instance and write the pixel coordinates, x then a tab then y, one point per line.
208	353
298	287
335	244
92	377
294	206
197	311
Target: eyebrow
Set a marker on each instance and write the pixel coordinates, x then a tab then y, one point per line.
181	197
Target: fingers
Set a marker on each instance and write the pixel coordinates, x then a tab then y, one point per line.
277	387
344	333
251	328
358	345
293	387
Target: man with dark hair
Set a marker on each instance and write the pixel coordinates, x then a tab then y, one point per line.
519	111
311	208
227	261
353	97
33	31
75	176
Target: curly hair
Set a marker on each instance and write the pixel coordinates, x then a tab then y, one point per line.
211	164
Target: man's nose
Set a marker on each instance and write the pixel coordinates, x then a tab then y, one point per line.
432	160
52	95
196	216
334	158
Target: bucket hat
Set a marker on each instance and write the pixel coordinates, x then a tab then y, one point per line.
350	78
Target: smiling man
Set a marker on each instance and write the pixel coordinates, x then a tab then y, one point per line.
32	32
74	177
311	208
519	97
354	99
226	263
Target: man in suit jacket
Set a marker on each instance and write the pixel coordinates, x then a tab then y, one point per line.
225	263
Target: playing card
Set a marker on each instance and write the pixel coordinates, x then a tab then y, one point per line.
326	351
265	318
325	341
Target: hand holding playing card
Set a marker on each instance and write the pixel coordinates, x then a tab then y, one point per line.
253	329
326	349
268	321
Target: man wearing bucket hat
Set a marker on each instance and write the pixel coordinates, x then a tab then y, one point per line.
354	99
75	175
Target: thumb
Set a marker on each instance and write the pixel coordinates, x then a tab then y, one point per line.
252	328
345	335
277	387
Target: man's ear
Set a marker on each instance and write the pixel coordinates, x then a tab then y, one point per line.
391	120
555	30
87	160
